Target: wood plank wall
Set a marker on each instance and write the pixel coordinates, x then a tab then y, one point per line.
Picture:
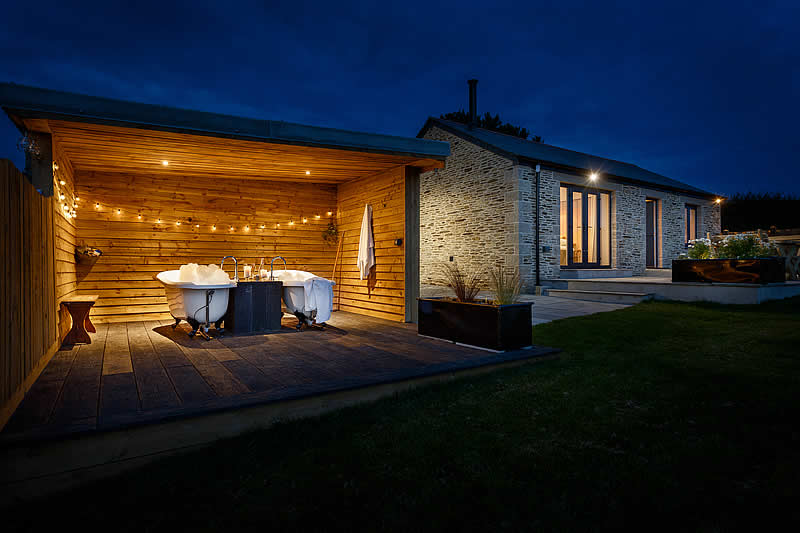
27	286
135	250
384	295
65	237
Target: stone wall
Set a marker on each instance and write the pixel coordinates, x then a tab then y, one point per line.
480	209
468	210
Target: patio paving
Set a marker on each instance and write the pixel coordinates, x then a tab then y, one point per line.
545	308
142	372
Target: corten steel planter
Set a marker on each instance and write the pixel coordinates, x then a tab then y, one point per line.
497	327
762	271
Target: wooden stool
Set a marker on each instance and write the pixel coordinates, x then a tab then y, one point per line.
78	307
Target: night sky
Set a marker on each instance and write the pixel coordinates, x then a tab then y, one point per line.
706	94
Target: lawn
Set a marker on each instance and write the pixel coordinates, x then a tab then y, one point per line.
660	416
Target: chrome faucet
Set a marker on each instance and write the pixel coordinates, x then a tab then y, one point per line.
235	266
271	277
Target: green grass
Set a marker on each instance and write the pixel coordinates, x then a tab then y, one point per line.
659	416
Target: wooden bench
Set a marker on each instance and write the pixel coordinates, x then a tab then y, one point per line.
79	307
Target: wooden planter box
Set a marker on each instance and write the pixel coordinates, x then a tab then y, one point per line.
497	327
764	270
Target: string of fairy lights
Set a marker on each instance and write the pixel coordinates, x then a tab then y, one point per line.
70	203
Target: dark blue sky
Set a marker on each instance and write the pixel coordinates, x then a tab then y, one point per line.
703	93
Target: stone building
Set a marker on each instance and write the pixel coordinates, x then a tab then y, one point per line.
597	217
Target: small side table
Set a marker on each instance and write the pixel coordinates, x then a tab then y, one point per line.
78	307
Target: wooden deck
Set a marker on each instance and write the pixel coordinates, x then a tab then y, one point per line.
140	372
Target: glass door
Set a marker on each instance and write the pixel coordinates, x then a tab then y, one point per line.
585	228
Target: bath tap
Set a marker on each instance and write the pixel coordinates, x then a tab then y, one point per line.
271	278
235	266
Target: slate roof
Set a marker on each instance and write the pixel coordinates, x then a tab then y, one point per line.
34	102
533	152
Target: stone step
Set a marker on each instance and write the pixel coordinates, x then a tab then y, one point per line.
594	273
612	297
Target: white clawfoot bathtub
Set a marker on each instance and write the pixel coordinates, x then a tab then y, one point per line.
294	297
197	304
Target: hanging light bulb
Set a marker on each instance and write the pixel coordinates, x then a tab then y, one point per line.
316	216
213	228
61	196
97	205
139	216
247	228
197	225
60	182
262	226
330	213
178	223
158	221
305	220
119	211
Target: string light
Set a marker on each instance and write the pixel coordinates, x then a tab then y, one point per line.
61	196
213	228
158	221
278	225
291	222
308	172
247	228
316	216
262	226
61	182
77	199
197	225
178	223
231	228
119	211
139	216
330	213
97	205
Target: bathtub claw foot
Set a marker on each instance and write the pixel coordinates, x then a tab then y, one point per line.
177	321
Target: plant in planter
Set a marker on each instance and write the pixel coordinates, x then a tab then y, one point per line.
331	233
739	258
499	325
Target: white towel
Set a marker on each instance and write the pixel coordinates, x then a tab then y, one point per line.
318	293
366	245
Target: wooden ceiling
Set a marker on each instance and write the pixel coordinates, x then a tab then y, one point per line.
132	150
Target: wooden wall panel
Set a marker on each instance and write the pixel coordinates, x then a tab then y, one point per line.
65	237
29	335
383	295
135	249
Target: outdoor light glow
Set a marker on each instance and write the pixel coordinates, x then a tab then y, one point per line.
593	176
718	200
165	162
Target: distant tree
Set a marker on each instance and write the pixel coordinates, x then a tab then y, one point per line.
751	211
489	122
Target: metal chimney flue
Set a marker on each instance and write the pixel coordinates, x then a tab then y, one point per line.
473	102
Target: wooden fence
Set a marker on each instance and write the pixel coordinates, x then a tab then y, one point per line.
27	286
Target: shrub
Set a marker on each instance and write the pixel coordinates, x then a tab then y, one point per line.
465	284
505	286
744	246
700	249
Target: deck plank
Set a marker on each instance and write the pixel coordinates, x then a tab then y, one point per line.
80	394
156	390
118	395
117	359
